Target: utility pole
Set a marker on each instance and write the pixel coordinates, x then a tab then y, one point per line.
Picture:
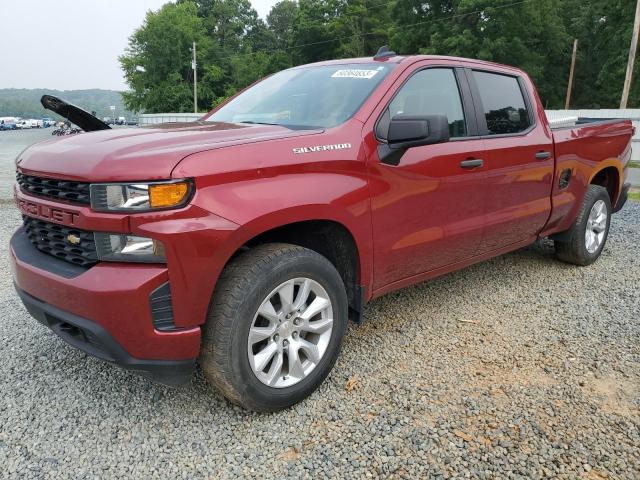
632	59
194	66
362	26
571	72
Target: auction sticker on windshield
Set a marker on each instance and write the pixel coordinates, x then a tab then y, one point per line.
354	74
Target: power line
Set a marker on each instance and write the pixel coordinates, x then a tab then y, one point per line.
458	15
366	34
433	20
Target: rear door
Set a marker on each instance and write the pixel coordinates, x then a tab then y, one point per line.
427	210
519	158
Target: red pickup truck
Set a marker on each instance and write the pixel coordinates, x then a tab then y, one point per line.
247	240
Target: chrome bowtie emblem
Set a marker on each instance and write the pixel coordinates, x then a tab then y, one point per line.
73	239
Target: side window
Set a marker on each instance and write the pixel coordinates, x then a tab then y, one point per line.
503	102
432	92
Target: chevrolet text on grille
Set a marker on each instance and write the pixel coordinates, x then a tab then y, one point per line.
43	211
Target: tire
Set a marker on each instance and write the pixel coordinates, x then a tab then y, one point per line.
247	284
575	247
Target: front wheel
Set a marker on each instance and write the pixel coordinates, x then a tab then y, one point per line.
584	242
275	326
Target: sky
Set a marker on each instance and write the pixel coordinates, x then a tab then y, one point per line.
71	44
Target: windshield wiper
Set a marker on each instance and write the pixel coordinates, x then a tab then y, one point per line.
262	123
290	127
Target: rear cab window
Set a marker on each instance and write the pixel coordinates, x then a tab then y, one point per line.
503	103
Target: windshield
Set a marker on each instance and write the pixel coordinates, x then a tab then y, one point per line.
313	97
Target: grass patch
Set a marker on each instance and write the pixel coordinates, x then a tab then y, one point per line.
634	164
634	195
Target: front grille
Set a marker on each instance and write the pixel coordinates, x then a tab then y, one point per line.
58	240
73	192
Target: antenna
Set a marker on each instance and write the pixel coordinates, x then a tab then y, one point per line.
384	53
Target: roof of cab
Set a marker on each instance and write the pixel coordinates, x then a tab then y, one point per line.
399	59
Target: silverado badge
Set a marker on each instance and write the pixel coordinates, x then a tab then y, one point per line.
321	148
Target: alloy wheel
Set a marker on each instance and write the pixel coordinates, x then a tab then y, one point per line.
596	226
290	332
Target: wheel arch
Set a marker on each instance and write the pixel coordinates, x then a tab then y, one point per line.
609	175
330	236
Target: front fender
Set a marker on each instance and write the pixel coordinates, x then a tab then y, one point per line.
229	215
260	205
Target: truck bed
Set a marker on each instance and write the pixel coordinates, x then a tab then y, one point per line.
573	122
580	150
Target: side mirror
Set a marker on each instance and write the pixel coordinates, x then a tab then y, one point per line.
406	131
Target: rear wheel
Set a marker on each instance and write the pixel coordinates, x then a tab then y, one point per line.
275	326
584	242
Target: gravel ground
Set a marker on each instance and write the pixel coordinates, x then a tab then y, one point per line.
518	367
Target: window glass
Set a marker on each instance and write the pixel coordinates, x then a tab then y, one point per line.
432	92
307	97
504	105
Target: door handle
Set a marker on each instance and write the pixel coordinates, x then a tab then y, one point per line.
542	155
472	163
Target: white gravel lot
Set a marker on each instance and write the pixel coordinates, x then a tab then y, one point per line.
520	367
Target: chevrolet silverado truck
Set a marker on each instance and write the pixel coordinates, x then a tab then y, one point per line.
246	241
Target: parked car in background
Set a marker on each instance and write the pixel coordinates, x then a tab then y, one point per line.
8	124
35	123
245	241
23	124
48	122
121	121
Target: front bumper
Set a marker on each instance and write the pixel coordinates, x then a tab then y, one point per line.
148	315
106	311
91	338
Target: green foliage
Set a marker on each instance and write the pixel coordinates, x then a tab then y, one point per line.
528	35
235	47
157	63
604	29
282	21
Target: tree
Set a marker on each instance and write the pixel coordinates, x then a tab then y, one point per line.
529	35
327	29
227	21
281	21
362	25
157	62
603	28
235	47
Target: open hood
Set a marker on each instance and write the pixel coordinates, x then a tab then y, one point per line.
75	115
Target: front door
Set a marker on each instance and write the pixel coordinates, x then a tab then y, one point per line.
427	211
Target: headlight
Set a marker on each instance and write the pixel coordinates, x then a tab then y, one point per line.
128	248
140	197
